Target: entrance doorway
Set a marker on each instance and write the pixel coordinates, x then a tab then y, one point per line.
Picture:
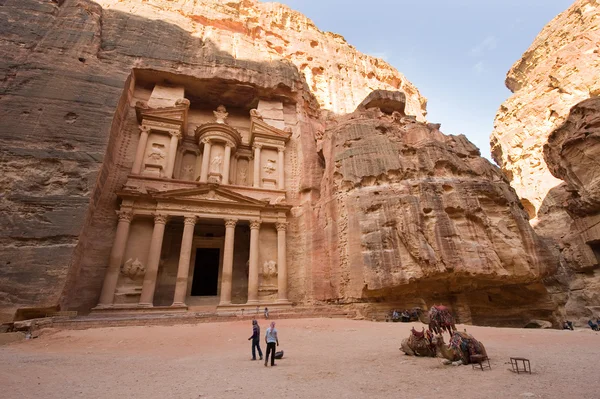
206	272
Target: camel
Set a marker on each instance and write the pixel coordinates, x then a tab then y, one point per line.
462	346
418	344
439	318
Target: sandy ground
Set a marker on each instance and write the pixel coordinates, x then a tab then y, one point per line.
324	358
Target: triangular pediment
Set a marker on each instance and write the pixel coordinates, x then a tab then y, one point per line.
176	114
208	193
259	127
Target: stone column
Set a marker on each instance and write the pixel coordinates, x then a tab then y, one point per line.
116	258
257	148
175	136
227	274
205	161
226	163
281	170
141	150
253	272
149	284
281	263
184	261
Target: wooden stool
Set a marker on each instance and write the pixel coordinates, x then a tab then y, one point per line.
514	362
479	359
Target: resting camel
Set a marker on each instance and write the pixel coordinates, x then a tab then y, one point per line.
460	349
439	318
418	344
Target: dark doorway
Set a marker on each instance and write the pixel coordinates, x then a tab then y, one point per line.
206	272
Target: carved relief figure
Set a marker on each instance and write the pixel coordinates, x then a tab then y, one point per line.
133	268
215	164
157	153
188	172
221	114
269	269
270	166
243	176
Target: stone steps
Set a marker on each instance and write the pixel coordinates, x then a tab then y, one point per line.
166	319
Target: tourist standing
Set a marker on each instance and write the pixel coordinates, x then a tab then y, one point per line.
255	340
266	312
271	340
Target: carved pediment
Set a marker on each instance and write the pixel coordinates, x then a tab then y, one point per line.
208	193
259	128
175	115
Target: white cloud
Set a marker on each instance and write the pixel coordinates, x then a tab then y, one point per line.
479	68
489	43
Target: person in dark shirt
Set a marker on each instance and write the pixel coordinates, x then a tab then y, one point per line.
255	340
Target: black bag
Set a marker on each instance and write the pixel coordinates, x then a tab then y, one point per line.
278	355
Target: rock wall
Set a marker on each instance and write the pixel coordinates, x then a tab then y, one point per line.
385	207
543	142
409	214
559	69
336	73
573	155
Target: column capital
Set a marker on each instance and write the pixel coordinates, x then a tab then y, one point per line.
256	146
255	224
281	226
280	149
205	141
190	220
160	218
124	215
176	133
230	222
144	129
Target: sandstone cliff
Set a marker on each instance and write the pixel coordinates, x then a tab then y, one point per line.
336	73
573	155
384	206
558	70
409	214
543	136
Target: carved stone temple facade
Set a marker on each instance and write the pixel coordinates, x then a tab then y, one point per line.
202	216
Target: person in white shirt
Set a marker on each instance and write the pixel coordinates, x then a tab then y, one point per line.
271	340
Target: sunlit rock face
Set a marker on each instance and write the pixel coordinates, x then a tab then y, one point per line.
559	70
408	213
336	73
571	213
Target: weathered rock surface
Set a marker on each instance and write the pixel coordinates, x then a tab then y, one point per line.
407	213
559	70
385	207
571	213
336	73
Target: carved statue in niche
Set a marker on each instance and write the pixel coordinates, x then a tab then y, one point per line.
188	172
221	114
157	153
269	274
243	176
133	268
269	168
215	164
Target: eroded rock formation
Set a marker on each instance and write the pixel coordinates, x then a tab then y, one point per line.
571	212
544	141
559	69
336	73
382	206
408	212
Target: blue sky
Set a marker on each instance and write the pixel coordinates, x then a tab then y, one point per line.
456	52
